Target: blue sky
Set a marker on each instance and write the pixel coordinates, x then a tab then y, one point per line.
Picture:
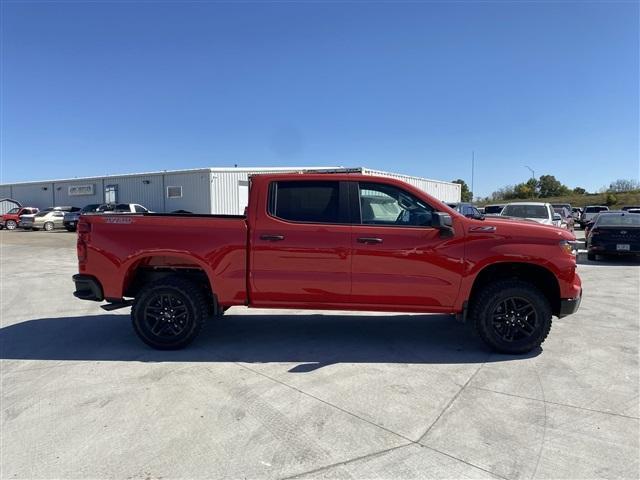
414	87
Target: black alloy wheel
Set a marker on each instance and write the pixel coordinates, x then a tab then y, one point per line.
514	319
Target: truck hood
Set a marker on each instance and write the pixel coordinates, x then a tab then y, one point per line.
528	227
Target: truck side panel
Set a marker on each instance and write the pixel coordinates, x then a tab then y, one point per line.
117	245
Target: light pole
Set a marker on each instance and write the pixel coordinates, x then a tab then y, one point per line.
533	175
533	172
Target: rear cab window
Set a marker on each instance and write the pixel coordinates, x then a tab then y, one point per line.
306	201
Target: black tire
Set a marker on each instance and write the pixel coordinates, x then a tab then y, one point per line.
169	314
48	226
591	256
519	333
10	224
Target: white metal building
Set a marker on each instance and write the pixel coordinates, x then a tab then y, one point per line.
205	190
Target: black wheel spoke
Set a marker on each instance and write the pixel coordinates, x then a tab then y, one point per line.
514	319
166	315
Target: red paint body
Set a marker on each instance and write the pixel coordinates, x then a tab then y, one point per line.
321	266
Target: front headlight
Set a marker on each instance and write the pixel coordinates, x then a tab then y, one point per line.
570	248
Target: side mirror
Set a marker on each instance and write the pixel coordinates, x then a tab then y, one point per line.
557	217
443	222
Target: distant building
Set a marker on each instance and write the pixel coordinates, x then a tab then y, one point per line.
7	204
203	190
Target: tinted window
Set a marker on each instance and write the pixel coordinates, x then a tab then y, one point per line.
526	211
631	219
315	202
123	207
139	209
492	209
382	204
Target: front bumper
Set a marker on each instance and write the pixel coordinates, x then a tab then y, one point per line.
88	288
569	306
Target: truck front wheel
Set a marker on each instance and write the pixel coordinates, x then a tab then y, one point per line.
168	314
511	316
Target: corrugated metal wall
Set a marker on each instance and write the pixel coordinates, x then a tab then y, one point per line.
62	197
445	191
34	194
5	191
146	190
196	192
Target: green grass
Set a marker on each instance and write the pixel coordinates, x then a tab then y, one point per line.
621	199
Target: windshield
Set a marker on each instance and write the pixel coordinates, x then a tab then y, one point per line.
14	210
526	211
631	219
43	213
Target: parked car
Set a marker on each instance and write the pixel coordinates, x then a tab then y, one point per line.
70	220
614	233
493	209
51	219
311	245
626	208
567	219
589	212
536	211
11	219
122	208
467	209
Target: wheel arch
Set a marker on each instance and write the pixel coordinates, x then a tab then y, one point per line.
153	267
539	276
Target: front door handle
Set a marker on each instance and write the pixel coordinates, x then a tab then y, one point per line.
272	238
369	240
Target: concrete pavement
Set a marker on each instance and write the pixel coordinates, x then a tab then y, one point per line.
280	394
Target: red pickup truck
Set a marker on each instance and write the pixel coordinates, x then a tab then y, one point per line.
330	241
11	219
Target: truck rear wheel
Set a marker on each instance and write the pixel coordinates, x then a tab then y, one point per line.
512	316
169	314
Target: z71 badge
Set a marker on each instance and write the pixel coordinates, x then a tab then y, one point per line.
118	219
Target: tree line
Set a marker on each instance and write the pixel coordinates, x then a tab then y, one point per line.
545	186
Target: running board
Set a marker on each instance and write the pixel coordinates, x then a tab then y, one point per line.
116	305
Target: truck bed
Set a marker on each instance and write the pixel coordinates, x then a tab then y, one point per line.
118	244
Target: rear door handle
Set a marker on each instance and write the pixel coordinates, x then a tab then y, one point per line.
272	238
369	240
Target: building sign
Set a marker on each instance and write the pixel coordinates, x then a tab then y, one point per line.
77	190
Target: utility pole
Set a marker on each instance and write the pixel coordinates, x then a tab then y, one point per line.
473	161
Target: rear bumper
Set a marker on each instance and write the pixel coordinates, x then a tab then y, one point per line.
569	306
88	288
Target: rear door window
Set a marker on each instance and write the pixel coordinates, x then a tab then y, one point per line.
306	201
